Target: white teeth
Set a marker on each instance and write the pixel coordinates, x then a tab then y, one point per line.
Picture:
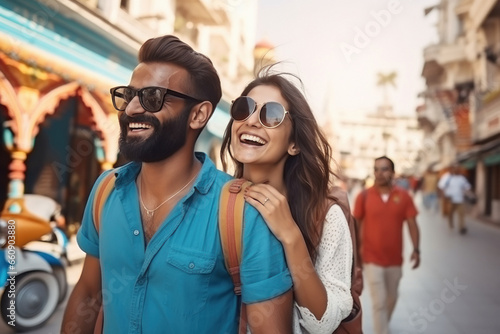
247	137
139	126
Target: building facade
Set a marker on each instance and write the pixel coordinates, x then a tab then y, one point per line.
58	60
359	140
461	110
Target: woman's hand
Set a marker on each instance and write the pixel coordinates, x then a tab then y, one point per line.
273	207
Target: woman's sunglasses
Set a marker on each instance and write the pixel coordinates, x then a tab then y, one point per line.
271	114
151	98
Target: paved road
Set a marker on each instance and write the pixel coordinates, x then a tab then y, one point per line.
455	291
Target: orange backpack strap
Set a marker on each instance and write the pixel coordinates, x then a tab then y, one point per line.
104	189
102	192
231	209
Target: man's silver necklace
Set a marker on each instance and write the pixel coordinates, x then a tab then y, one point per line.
151	213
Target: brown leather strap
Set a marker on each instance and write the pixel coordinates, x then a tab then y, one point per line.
232	203
102	192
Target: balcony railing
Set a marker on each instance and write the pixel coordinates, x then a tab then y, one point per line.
444	53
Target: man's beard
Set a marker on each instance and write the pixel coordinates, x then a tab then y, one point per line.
166	139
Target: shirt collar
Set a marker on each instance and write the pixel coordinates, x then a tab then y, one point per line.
206	177
207	174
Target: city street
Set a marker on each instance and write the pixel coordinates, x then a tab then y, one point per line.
455	291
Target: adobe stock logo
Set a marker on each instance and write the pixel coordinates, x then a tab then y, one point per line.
420	320
372	29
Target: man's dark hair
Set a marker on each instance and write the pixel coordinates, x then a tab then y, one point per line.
386	158
204	82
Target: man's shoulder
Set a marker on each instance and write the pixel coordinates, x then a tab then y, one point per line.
402	192
123	174
220	178
371	191
210	179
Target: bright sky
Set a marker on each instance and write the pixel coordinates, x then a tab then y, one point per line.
321	42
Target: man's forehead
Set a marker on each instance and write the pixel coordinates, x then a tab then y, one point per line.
382	162
161	74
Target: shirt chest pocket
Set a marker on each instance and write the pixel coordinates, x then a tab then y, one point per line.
190	272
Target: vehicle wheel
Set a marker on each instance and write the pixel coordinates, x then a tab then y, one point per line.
36	299
60	273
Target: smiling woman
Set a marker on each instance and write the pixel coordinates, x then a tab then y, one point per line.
275	142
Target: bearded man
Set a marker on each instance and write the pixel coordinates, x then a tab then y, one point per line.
156	264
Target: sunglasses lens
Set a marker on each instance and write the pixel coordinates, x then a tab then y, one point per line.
241	108
121	97
272	114
152	99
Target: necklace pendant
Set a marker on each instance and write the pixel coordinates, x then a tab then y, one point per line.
150	213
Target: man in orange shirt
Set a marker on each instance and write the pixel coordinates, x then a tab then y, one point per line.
381	211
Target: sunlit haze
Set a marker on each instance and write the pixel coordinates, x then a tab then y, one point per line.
338	47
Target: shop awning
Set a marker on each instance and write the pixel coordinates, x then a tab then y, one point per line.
492	159
41	37
469	163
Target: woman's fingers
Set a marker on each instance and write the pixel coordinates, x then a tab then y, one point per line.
273	207
256	204
263	193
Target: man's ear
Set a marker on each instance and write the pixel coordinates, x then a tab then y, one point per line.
201	114
293	149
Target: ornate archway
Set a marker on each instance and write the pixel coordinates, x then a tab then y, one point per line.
31	94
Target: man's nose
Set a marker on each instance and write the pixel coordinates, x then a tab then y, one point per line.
134	107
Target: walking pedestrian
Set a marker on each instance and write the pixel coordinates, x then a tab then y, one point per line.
156	265
454	187
381	211
430	190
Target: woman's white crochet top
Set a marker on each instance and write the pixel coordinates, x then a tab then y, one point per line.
333	265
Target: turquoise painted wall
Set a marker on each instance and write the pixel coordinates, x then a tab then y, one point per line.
41	24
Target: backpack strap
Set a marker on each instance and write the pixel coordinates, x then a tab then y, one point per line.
102	193
353	322
343	202
103	190
232	203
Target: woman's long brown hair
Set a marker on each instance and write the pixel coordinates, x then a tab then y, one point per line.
307	175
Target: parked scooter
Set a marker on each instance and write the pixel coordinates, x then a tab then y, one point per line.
34	280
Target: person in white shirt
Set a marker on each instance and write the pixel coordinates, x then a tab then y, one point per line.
454	186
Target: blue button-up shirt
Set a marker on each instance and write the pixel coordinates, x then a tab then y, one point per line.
178	283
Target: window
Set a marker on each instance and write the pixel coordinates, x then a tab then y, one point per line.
124	4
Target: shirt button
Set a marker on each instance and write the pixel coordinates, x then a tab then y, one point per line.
136	232
191	265
140	281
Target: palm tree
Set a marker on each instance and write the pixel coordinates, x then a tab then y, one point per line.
384	80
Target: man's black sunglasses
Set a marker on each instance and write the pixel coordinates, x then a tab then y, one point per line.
151	98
